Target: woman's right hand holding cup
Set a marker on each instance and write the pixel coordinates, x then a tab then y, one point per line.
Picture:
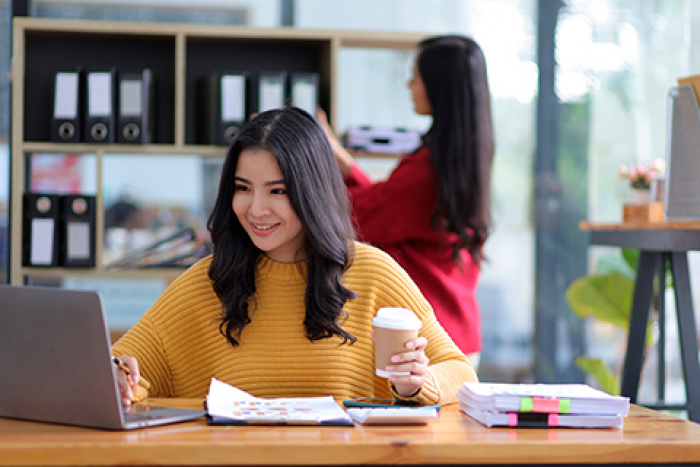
399	352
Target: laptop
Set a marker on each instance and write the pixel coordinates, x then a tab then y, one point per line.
683	178
56	366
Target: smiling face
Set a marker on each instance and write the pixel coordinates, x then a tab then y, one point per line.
263	208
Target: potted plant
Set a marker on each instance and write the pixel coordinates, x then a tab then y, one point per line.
640	176
606	295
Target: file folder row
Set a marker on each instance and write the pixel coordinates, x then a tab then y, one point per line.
103	106
228	99
58	230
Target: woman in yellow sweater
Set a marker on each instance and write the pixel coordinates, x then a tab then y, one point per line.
283	307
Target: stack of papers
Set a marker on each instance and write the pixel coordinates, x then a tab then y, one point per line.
228	405
542	405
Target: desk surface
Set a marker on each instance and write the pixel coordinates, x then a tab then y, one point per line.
670	225
454	438
661	236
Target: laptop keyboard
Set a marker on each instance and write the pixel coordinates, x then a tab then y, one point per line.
141	412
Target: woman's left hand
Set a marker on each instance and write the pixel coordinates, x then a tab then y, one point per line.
412	360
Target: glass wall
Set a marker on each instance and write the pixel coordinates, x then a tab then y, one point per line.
620	58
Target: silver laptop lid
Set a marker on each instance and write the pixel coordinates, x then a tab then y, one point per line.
56	363
54	358
683	179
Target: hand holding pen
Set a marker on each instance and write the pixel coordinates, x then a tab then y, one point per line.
129	378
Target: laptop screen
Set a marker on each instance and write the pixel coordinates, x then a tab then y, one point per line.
56	361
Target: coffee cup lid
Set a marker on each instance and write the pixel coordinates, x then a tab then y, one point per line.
397	318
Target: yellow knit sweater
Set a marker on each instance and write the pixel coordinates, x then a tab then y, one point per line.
179	347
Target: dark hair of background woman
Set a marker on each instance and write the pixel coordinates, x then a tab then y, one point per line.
317	195
453	70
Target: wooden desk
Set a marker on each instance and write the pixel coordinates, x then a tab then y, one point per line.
662	246
647	438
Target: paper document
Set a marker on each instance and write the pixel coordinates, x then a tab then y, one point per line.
542	420
228	405
542	398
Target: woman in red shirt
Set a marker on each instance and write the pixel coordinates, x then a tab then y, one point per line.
432	214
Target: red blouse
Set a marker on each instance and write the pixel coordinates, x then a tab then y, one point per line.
394	215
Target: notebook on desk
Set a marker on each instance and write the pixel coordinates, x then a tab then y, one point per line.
55	363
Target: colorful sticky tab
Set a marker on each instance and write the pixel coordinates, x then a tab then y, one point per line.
512	419
564	405
545	405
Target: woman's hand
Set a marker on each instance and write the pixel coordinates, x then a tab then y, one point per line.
128	381
342	156
412	360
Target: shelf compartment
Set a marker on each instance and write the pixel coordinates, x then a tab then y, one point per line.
48	53
205	55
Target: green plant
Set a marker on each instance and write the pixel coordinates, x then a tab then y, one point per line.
606	296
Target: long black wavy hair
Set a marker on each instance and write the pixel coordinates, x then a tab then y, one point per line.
317	195
453	70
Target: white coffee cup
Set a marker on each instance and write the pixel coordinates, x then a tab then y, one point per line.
393	327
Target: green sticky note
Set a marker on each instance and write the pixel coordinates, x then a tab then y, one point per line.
564	405
526	404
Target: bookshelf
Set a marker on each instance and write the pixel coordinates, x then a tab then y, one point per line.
179	55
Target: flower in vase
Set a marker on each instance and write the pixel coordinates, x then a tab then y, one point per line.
639	175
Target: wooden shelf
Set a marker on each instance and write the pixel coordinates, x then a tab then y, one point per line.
84	148
167	273
179	56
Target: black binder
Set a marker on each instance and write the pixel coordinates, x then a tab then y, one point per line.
67	106
271	90
77	231
100	106
40	229
223	109
304	91
136	111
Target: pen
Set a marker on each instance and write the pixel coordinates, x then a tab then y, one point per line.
121	365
